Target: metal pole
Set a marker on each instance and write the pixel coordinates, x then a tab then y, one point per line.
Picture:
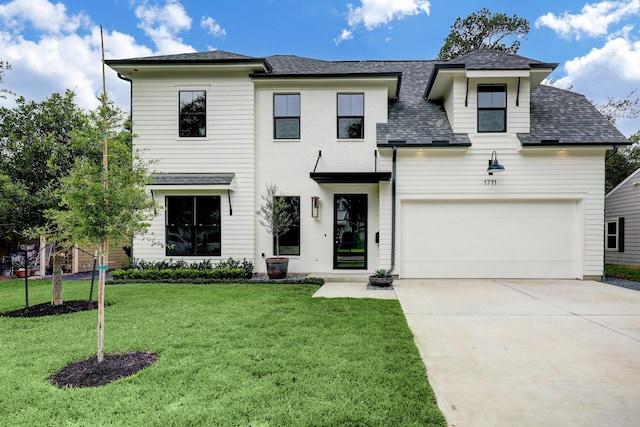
26	278
93	274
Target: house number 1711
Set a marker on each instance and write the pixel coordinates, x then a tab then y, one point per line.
490	182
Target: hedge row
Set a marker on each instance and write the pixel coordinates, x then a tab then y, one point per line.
186	274
207	281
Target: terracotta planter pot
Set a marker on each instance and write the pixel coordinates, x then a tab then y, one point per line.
21	274
380	281
277	267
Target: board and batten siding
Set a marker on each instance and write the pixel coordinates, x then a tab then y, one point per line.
463	118
459	174
624	201
227	148
288	163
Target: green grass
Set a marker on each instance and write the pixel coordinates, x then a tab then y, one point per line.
229	355
623	272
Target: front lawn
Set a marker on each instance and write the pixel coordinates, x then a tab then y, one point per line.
623	272
228	355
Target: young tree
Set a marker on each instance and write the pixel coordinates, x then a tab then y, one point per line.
93	213
483	29
275	217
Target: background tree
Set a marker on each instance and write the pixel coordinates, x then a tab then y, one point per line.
4	66
483	29
627	159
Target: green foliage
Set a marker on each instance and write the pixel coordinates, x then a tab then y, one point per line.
483	29
381	273
4	66
88	213
40	143
274	214
206	265
185	275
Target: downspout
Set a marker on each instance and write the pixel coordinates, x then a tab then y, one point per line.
393	210
613	153
121	77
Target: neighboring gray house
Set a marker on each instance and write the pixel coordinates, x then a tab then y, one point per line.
622	222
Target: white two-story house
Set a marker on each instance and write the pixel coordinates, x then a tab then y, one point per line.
468	168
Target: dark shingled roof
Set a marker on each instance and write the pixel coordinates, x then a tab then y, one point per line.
192	178
557	116
564	117
489	59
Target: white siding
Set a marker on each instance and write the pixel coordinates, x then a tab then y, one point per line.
288	163
574	174
227	148
624	202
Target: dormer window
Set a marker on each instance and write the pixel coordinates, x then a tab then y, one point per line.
492	108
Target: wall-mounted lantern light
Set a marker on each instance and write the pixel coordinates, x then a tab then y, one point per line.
494	166
315	204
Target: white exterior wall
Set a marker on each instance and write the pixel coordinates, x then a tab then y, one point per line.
464	119
624	201
227	148
288	163
533	174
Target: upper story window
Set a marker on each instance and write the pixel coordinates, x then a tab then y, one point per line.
350	115
286	116
492	108
193	113
193	226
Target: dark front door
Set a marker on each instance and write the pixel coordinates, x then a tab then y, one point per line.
350	231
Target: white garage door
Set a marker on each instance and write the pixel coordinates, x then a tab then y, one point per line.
489	239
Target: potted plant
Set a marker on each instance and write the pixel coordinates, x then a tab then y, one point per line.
276	219
381	278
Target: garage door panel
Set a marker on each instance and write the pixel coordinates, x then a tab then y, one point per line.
528	239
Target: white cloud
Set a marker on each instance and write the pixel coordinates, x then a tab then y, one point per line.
213	27
344	35
593	20
375	13
610	71
42	15
163	24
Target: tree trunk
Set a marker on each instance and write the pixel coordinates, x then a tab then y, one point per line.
56	282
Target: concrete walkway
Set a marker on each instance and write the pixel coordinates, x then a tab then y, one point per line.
525	352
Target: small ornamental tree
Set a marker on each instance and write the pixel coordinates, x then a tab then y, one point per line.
275	215
99	206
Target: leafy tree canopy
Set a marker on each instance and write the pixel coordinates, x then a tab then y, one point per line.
484	29
39	145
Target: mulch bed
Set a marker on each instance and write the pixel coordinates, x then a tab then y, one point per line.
47	309
90	373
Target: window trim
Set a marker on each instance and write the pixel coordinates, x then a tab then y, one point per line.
276	117
296	226
193	226
338	116
618	234
180	114
504	88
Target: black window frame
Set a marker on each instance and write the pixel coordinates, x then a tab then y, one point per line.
277	118
294	230
492	88
196	223
185	117
341	117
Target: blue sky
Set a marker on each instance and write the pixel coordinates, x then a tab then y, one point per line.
54	45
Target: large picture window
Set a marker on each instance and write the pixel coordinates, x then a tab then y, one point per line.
350	115
286	116
492	108
193	113
193	226
290	241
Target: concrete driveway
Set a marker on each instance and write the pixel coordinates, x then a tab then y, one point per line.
528	352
